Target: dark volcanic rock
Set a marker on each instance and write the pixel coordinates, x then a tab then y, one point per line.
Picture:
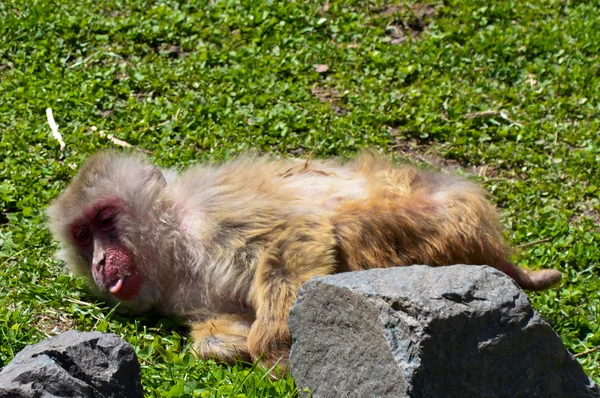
74	364
458	331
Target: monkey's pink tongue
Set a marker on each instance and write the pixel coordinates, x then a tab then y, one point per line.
128	287
116	286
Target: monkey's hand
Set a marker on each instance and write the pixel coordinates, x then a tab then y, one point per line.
269	341
223	338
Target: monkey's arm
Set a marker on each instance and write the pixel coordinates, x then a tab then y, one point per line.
222	338
303	249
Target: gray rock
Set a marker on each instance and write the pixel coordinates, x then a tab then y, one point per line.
458	331
74	364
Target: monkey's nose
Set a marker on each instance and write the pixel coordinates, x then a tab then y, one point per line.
100	262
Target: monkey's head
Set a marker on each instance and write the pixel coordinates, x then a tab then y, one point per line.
97	221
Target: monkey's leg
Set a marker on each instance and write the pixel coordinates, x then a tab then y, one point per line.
472	231
224	338
473	226
462	229
303	249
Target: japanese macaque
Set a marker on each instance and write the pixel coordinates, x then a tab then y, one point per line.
226	247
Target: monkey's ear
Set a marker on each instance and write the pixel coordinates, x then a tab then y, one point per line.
156	176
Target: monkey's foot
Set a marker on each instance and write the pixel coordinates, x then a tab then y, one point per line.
277	368
543	279
530	279
269	343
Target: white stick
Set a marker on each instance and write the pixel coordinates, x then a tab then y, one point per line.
114	139
54	128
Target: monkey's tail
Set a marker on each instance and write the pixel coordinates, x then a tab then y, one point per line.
530	279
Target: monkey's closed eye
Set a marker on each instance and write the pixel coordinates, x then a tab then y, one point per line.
82	234
106	220
107	223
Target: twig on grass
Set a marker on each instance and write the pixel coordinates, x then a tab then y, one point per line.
54	128
5	260
115	140
492	113
118	141
75	301
535	242
586	352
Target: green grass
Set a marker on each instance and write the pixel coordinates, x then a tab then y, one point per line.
194	80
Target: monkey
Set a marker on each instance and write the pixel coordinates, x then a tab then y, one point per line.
226	247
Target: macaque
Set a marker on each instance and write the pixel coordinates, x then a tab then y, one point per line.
226	247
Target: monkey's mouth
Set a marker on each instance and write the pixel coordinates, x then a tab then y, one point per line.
126	287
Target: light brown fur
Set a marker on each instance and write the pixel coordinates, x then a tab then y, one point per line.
227	247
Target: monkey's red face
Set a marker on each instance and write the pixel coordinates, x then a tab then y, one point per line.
96	233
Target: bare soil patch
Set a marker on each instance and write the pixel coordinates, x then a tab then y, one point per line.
406	21
331	97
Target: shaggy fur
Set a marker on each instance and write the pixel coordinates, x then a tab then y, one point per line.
227	246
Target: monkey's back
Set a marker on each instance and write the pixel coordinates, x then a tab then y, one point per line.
410	214
318	185
385	215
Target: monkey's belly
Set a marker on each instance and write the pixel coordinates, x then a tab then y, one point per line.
327	190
